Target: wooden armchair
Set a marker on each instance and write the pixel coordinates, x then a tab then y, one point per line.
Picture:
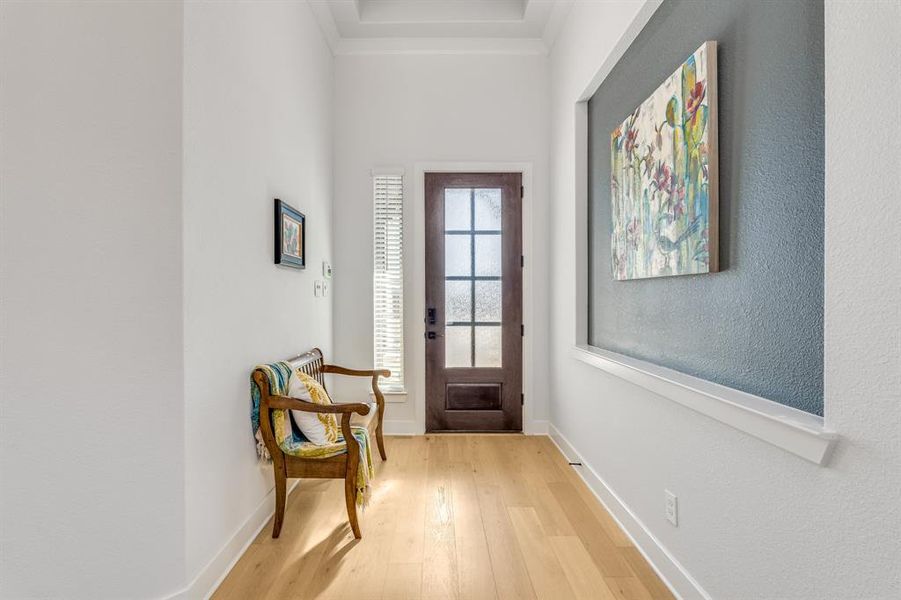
341	466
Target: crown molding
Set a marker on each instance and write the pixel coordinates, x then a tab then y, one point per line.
347	46
407	46
326	23
559	13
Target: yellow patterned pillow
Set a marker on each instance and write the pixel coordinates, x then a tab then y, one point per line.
321	429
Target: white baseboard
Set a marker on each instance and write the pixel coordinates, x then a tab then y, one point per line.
400	427
673	574
209	578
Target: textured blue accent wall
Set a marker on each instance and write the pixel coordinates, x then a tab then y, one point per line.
758	324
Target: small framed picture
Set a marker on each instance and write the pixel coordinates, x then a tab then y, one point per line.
290	236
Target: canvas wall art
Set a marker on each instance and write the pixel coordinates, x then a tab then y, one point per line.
664	177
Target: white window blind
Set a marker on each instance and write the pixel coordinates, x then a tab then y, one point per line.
388	278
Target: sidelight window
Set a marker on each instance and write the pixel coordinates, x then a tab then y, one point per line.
388	278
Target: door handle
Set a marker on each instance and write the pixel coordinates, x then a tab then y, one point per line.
431	335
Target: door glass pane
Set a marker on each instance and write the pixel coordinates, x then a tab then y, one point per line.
488	254
458	301
458	346
457	255
488	346
488	300
488	209
457	209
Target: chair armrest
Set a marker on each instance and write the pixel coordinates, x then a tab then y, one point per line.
356	372
287	403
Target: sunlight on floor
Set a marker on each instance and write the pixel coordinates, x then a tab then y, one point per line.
451	516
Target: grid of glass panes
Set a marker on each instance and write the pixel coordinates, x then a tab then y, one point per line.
472	277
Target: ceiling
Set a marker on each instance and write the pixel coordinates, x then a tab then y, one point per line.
440	26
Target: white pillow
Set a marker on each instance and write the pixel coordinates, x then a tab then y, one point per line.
321	429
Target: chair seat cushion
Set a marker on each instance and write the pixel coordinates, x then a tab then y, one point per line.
304	448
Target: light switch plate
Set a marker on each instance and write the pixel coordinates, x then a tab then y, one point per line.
325	286
671	508
326	269
317	288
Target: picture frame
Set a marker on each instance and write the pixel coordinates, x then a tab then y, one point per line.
290	236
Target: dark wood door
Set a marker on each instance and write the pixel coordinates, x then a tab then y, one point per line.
473	257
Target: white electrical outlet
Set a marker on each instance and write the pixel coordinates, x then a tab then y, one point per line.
672	508
317	288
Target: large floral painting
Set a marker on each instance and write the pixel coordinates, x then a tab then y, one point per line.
664	183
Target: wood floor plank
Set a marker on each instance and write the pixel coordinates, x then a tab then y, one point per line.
282	557
439	562
322	536
458	448
349	566
475	578
407	542
380	519
646	575
545	571
463	516
515	488
485	470
302	577
341	553
570	474
511	575
581	572
256	571
553	518
523	484
628	588
540	458
538	472
508	567
403	581
295	495
603	551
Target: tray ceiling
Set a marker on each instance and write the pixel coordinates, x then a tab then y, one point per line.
417	26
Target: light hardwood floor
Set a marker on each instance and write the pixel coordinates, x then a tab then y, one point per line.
452	516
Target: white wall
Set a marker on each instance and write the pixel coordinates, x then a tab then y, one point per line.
257	123
755	521
400	110
130	321
92	420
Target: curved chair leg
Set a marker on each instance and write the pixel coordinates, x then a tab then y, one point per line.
350	498
380	440
281	484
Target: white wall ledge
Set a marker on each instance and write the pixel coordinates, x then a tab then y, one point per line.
391	397
788	428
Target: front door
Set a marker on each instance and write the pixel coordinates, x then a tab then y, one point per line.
473	258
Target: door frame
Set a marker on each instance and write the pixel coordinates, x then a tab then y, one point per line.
414	318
